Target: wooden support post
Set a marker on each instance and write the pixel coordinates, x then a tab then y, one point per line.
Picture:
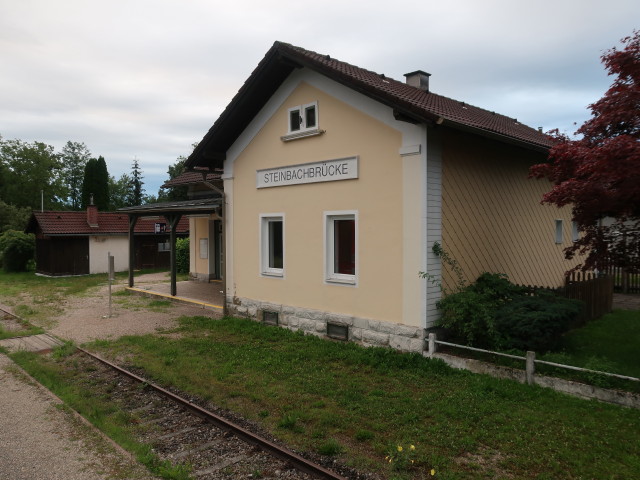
531	367
132	247
432	344
173	222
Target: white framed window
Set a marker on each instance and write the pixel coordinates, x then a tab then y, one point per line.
302	121
272	244
341	247
559	231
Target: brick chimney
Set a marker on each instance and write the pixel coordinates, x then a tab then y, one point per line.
418	79
92	214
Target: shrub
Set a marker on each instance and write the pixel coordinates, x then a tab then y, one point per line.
470	313
535	322
494	313
182	255
16	250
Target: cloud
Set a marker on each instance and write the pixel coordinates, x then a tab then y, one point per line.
146	79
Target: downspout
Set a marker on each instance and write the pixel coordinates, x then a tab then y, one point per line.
223	258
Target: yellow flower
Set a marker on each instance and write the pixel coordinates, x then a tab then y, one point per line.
433	472
412	447
399	448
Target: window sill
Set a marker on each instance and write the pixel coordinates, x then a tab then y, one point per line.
272	274
341	280
303	134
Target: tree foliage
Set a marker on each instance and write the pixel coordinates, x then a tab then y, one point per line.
96	184
120	191
137	192
174	194
599	173
16	249
12	217
31	172
74	157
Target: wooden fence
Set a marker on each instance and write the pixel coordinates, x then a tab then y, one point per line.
624	279
596	291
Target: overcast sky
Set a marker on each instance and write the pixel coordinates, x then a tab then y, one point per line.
146	79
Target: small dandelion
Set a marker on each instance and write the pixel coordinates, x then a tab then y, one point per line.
433	472
399	448
412	447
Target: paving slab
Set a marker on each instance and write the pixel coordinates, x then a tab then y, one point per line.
33	343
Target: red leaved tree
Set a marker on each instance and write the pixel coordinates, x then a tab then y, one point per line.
599	174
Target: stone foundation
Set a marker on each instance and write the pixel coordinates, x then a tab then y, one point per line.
201	277
364	331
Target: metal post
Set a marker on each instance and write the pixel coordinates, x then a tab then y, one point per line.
531	367
432	344
111	268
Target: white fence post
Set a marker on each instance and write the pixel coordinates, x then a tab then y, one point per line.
432	344
531	367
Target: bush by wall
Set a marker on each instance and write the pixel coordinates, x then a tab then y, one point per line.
182	255
16	250
494	313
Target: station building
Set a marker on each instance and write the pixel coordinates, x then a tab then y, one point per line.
338	182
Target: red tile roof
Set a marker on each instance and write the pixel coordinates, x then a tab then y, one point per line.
409	101
109	223
424	104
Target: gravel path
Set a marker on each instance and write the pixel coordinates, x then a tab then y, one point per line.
87	317
38	441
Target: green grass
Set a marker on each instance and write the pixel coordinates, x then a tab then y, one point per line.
26	330
615	338
358	404
609	344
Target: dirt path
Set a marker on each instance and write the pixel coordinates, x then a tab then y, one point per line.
86	317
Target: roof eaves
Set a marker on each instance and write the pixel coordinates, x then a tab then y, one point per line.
494	135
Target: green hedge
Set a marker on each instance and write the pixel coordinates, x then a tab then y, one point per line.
16	250
182	255
494	313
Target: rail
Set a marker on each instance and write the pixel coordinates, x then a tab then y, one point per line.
282	453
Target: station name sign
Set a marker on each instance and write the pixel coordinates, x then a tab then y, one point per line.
327	171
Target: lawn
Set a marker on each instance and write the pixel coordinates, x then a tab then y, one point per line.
610	344
360	404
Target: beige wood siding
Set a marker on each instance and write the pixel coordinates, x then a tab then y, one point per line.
492	217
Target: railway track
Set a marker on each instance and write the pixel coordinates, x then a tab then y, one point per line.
183	432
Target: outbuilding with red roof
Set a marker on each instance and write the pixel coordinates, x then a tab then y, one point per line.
77	243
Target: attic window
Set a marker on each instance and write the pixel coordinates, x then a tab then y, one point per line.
302	121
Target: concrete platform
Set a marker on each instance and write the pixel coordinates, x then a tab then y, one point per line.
34	343
203	294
